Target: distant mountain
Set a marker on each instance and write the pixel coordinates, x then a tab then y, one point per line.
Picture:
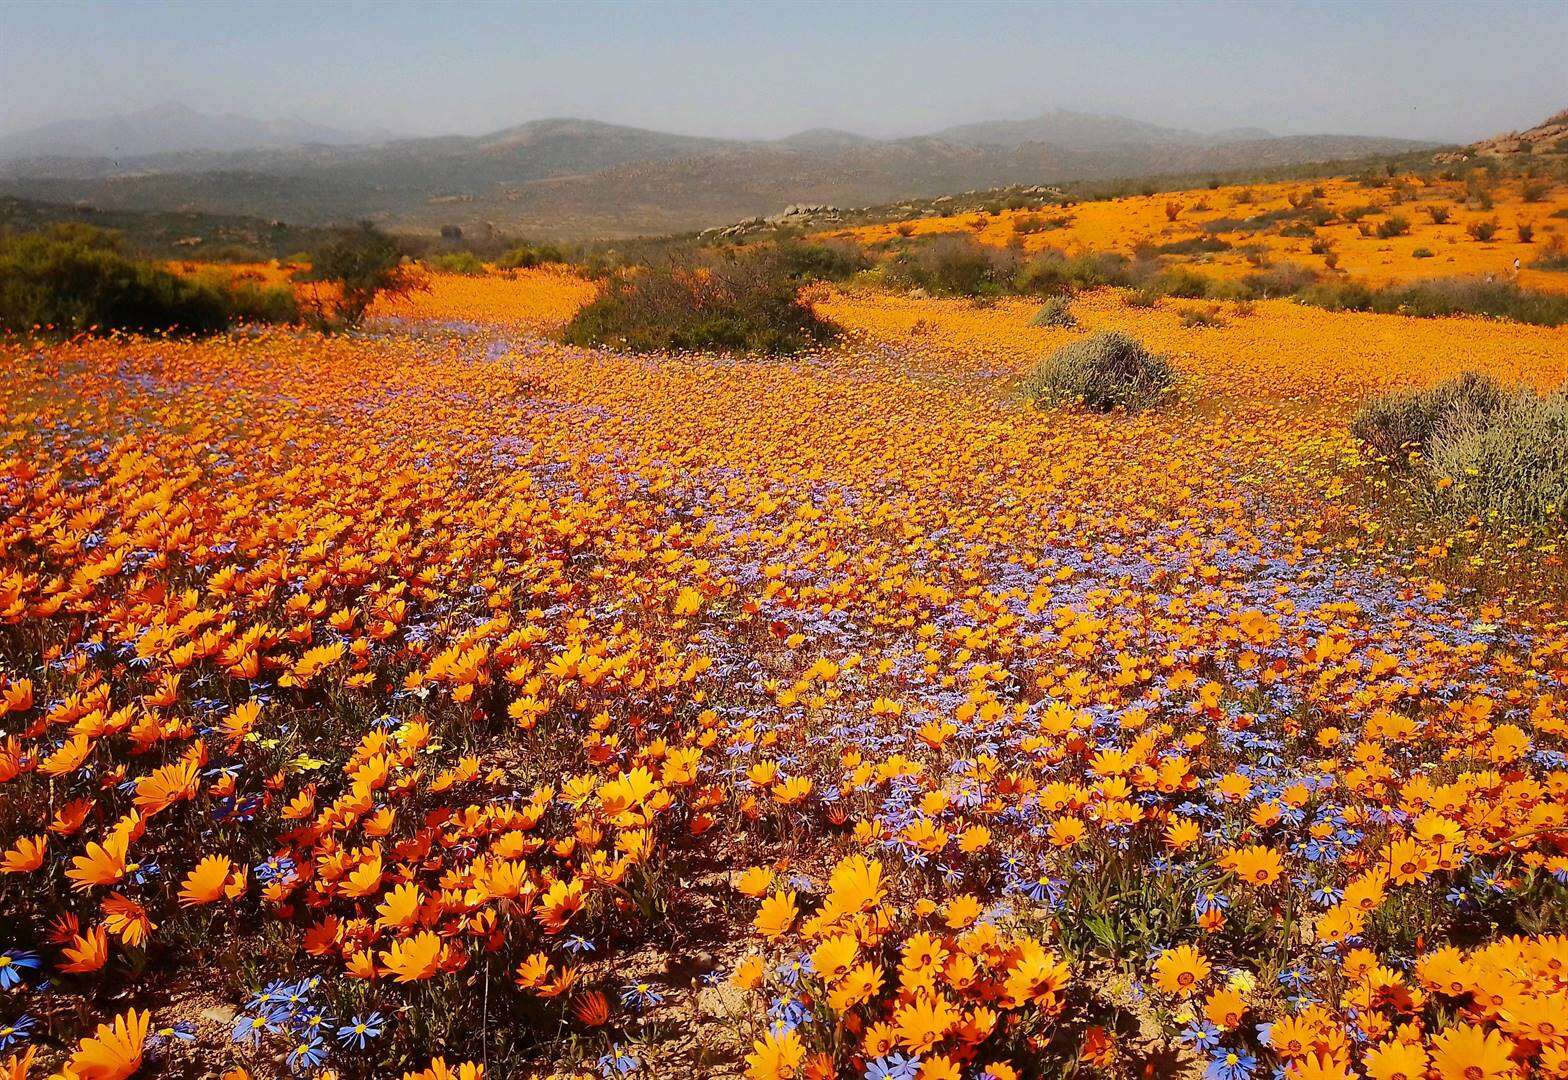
170	129
825	139
570	177
1082	131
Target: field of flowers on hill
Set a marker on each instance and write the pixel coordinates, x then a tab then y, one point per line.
443	692
1403	230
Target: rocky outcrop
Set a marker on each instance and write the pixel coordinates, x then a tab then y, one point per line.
1546	139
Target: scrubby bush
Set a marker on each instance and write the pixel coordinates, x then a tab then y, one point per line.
1478	189
749	303
1554	256
1182	281
1392	226
1510	464
1193	245
527	256
1036	223
1478	448
1421	253
1400	423
820	261
1056	311
234	253
250	301
456	262
360	263
1483	230
1526	232
1338	296
75	278
1443	296
1108	370
948	264
1283	279
1257	255
1438	214
1051	272
1195	318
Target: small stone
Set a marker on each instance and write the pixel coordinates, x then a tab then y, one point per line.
219	1014
722	1002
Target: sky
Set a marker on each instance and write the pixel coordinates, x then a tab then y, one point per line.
1443	71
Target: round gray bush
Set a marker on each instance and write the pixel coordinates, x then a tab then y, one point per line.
1108	370
1509	464
1057	312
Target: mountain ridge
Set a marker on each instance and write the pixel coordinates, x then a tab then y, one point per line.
572	176
172	127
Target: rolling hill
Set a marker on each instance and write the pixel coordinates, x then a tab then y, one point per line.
169	129
571	177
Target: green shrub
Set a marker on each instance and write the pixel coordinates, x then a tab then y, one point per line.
361	262
948	264
1057	312
1483	230
1443	296
820	260
234	253
1477	296
1182	281
74	279
1526	232
1421	253
1400	423
746	304
1109	370
1554	256
1510	464
1284	279
1036	223
1194	245
456	262
1202	318
253	301
1438	214
1338	296
1392	226
526	256
1051	272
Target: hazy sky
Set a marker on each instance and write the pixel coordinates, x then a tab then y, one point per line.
1447	71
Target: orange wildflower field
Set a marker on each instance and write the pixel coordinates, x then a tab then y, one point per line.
441	700
1344	238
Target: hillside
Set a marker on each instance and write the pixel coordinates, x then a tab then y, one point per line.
1087	131
169	129
570	177
1548	138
